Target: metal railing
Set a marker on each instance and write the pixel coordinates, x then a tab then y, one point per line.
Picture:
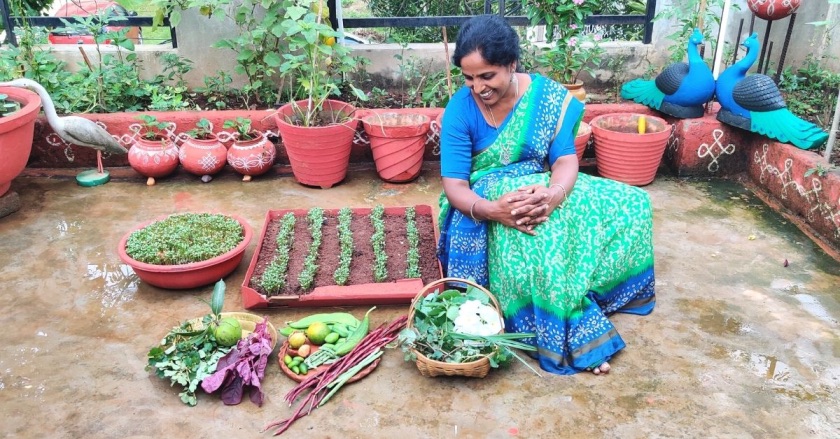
10	22
515	20
369	22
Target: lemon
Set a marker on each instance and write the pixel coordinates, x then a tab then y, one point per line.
296	340
229	332
317	332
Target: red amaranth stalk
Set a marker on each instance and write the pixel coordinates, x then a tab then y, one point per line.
318	384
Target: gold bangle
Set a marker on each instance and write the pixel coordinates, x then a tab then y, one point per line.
472	206
565	194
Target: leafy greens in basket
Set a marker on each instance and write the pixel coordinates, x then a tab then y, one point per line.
456	327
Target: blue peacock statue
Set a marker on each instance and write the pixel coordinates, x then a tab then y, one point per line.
755	104
681	89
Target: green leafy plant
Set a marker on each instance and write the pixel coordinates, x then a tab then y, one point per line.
151	128
821	169
810	90
189	353
184	238
413	254
274	276
203	130
345	239
314	63
438	318
572	50
310	264
688	15
380	265
256	44
7	106
242	126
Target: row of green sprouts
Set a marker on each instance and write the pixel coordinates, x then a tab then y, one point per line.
274	278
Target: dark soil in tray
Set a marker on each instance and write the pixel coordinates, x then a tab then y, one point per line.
361	266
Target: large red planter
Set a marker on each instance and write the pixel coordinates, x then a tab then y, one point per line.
16	132
397	141
319	155
622	154
191	275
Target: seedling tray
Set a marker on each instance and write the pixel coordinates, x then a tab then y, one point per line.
394	292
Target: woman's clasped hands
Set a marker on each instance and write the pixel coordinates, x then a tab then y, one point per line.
527	207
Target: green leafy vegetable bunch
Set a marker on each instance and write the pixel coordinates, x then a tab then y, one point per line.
438	330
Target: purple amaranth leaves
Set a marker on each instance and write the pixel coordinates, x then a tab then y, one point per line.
242	367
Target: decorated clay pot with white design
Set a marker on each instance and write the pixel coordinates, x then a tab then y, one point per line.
203	156
153	158
252	157
773	9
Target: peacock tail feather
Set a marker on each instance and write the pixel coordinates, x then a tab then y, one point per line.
644	92
784	126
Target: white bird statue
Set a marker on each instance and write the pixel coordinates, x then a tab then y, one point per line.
74	129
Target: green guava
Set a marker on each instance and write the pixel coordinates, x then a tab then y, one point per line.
229	332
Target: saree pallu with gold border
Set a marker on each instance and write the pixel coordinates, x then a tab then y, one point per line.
593	257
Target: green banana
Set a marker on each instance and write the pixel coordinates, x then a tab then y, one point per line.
327	318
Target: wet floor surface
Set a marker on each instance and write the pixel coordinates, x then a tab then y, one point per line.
739	345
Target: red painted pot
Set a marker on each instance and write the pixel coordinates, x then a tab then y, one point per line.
319	155
153	158
773	9
622	154
191	275
203	156
16	132
397	141
582	139
252	157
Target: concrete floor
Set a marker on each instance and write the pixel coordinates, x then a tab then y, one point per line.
738	346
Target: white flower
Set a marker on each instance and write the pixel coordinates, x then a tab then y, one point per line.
474	318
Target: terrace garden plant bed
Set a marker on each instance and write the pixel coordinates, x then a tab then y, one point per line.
368	280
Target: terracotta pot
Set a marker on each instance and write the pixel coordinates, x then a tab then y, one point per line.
773	9
203	156
319	156
582	139
622	154
397	141
191	275
153	158
16	133
577	90
252	157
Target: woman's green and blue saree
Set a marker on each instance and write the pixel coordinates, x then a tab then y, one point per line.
593	257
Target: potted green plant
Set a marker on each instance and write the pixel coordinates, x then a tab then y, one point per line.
251	154
18	110
317	132
153	153
202	153
185	250
571	50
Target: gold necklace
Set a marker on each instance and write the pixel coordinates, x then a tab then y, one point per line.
490	112
515	81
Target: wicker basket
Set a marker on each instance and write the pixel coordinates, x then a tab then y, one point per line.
433	368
